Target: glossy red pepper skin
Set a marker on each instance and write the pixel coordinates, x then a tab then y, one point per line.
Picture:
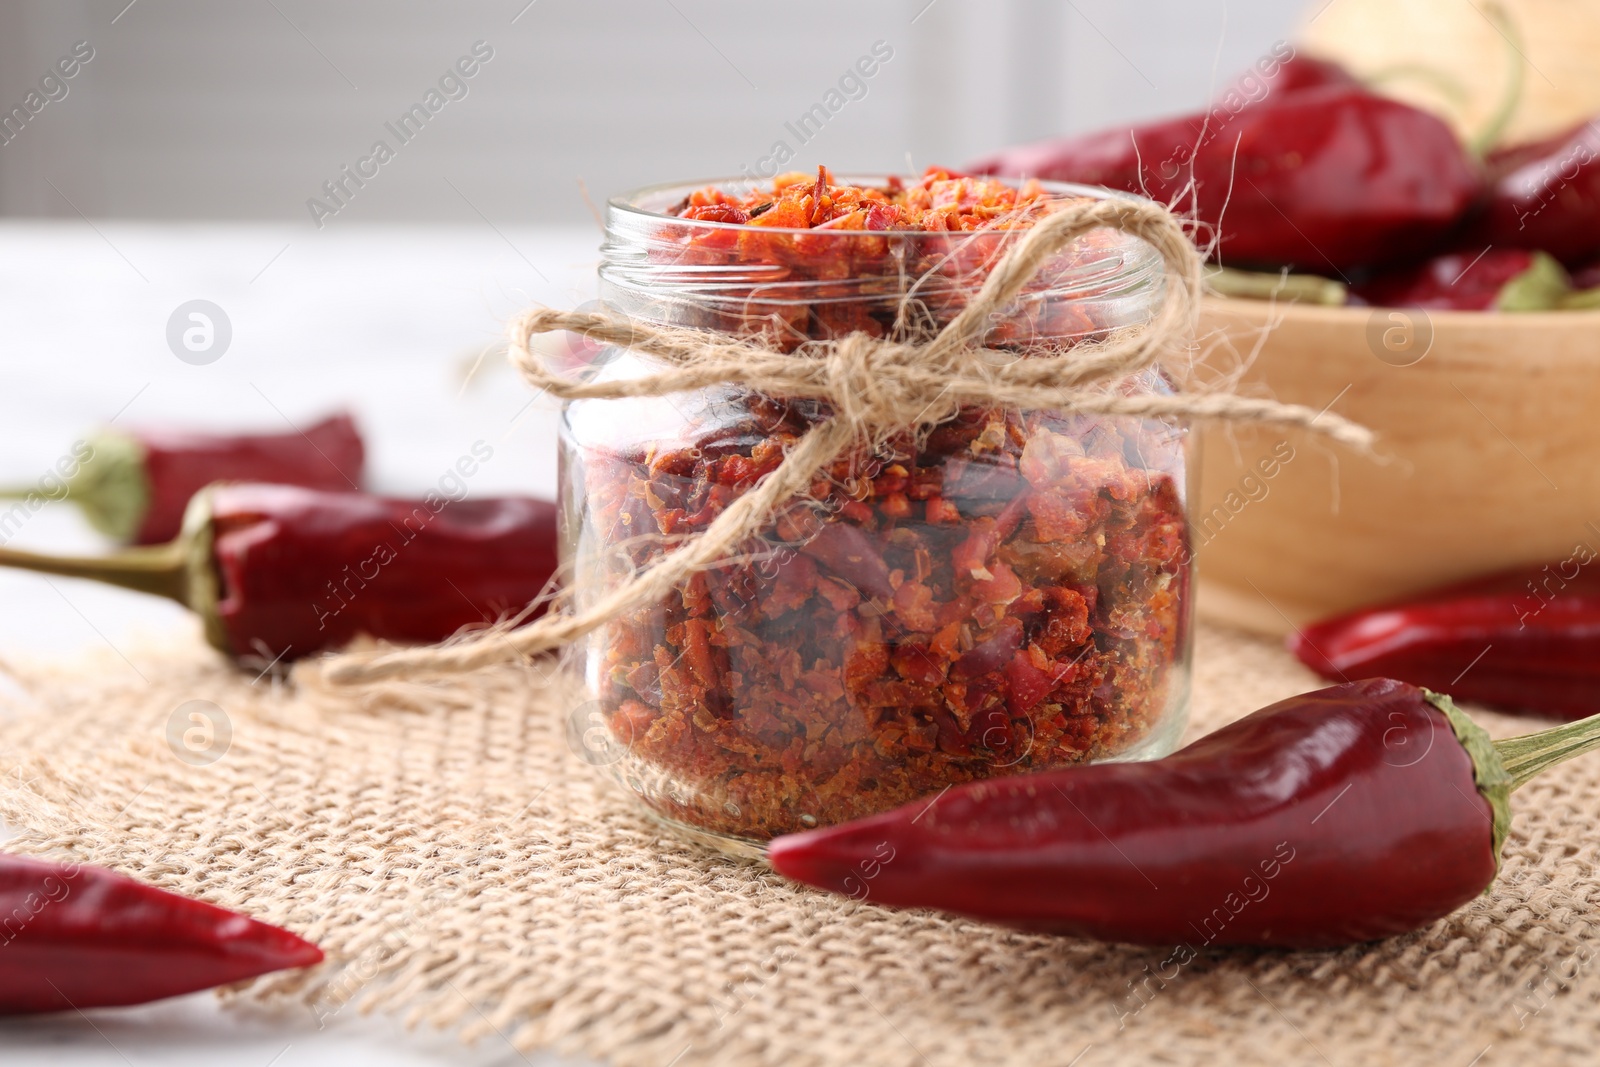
1523	641
303	570
1325	180
1459	281
1293	75
1546	196
79	937
1335	817
1302	72
179	463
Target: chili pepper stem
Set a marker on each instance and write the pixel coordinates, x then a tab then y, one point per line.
1488	770
160	570
179	570
1255	285
1451	89
1581	300
1511	99
1525	757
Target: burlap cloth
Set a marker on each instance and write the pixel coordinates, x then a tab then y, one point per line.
463	868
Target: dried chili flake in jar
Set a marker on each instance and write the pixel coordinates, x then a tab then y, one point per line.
1006	591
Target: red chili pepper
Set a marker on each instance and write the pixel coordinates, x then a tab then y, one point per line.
1546	196
1295	74
280	572
1349	814
82	937
133	485
1497	279
1527	640
1332	178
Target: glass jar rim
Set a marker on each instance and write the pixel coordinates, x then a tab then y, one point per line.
641	239
734	278
632	203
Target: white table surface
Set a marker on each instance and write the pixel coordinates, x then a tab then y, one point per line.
382	320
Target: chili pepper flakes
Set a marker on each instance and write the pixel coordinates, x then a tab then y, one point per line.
1002	593
934	615
810	259
941	201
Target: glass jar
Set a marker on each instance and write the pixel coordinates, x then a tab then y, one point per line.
1006	592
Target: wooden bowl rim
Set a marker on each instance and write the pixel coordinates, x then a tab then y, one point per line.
1264	311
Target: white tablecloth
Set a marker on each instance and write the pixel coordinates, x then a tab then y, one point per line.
382	320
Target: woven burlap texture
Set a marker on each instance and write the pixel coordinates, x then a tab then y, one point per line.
463	868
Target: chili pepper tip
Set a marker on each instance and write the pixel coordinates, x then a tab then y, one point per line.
82	937
276	949
832	858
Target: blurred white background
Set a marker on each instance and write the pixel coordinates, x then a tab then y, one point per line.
198	109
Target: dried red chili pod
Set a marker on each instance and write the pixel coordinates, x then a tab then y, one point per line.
133	485
1496	279
1296	73
280	572
1546	195
1353	813
80	937
1527	640
1328	179
1301	72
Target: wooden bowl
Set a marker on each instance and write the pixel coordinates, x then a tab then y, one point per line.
1489	456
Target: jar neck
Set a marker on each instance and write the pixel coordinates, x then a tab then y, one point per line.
792	286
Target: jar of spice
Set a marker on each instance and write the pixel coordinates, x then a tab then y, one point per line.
1002	592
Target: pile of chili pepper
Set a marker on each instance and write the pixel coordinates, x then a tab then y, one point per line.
1003	596
940	202
278	572
873	259
1301	167
77	937
1349	814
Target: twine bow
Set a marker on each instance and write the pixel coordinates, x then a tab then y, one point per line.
876	388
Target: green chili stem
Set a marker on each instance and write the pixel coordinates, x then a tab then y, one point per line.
161	570
1448	87
1581	300
1511	99
1527	756
22	492
1542	287
1261	285
1456	93
1488	769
